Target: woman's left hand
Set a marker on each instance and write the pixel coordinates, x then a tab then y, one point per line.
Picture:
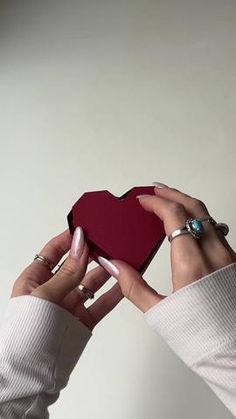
190	259
62	287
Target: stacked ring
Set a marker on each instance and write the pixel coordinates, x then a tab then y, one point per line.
86	291
44	260
194	226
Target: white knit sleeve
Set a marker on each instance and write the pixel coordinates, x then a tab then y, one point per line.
199	323
40	343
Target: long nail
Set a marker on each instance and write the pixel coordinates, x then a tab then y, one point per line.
110	268
77	244
142	196
159	185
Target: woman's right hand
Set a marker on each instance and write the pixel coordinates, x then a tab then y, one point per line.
191	259
61	288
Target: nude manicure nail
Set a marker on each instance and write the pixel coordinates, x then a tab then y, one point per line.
142	196
77	244
159	185
112	269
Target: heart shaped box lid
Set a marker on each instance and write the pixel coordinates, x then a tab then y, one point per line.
118	227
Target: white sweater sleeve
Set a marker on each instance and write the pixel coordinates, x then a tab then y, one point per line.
199	323
40	343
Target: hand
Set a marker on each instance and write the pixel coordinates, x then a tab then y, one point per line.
62	287
190	259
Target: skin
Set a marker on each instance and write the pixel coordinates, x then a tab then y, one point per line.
190	260
62	287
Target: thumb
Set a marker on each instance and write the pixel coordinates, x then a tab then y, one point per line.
132	284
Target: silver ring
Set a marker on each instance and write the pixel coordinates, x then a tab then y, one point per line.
44	260
86	291
193	226
197	233
177	232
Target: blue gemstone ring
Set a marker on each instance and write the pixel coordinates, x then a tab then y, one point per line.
195	227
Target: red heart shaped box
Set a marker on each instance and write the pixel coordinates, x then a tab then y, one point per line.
118	227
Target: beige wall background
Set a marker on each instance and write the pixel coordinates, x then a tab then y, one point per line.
103	94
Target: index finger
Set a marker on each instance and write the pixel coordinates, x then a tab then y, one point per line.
171	213
187	259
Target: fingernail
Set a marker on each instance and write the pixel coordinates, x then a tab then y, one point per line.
159	185
142	196
112	269
77	244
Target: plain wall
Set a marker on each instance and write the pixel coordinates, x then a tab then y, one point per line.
103	94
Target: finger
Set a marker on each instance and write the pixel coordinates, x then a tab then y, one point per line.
62	263
76	296
173	215
54	250
93	280
194	207
105	303
80	311
132	285
70	274
213	242
168	211
188	261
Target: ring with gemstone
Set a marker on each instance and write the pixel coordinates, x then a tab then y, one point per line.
193	226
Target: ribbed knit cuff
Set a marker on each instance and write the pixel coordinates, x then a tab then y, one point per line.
199	317
39	333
